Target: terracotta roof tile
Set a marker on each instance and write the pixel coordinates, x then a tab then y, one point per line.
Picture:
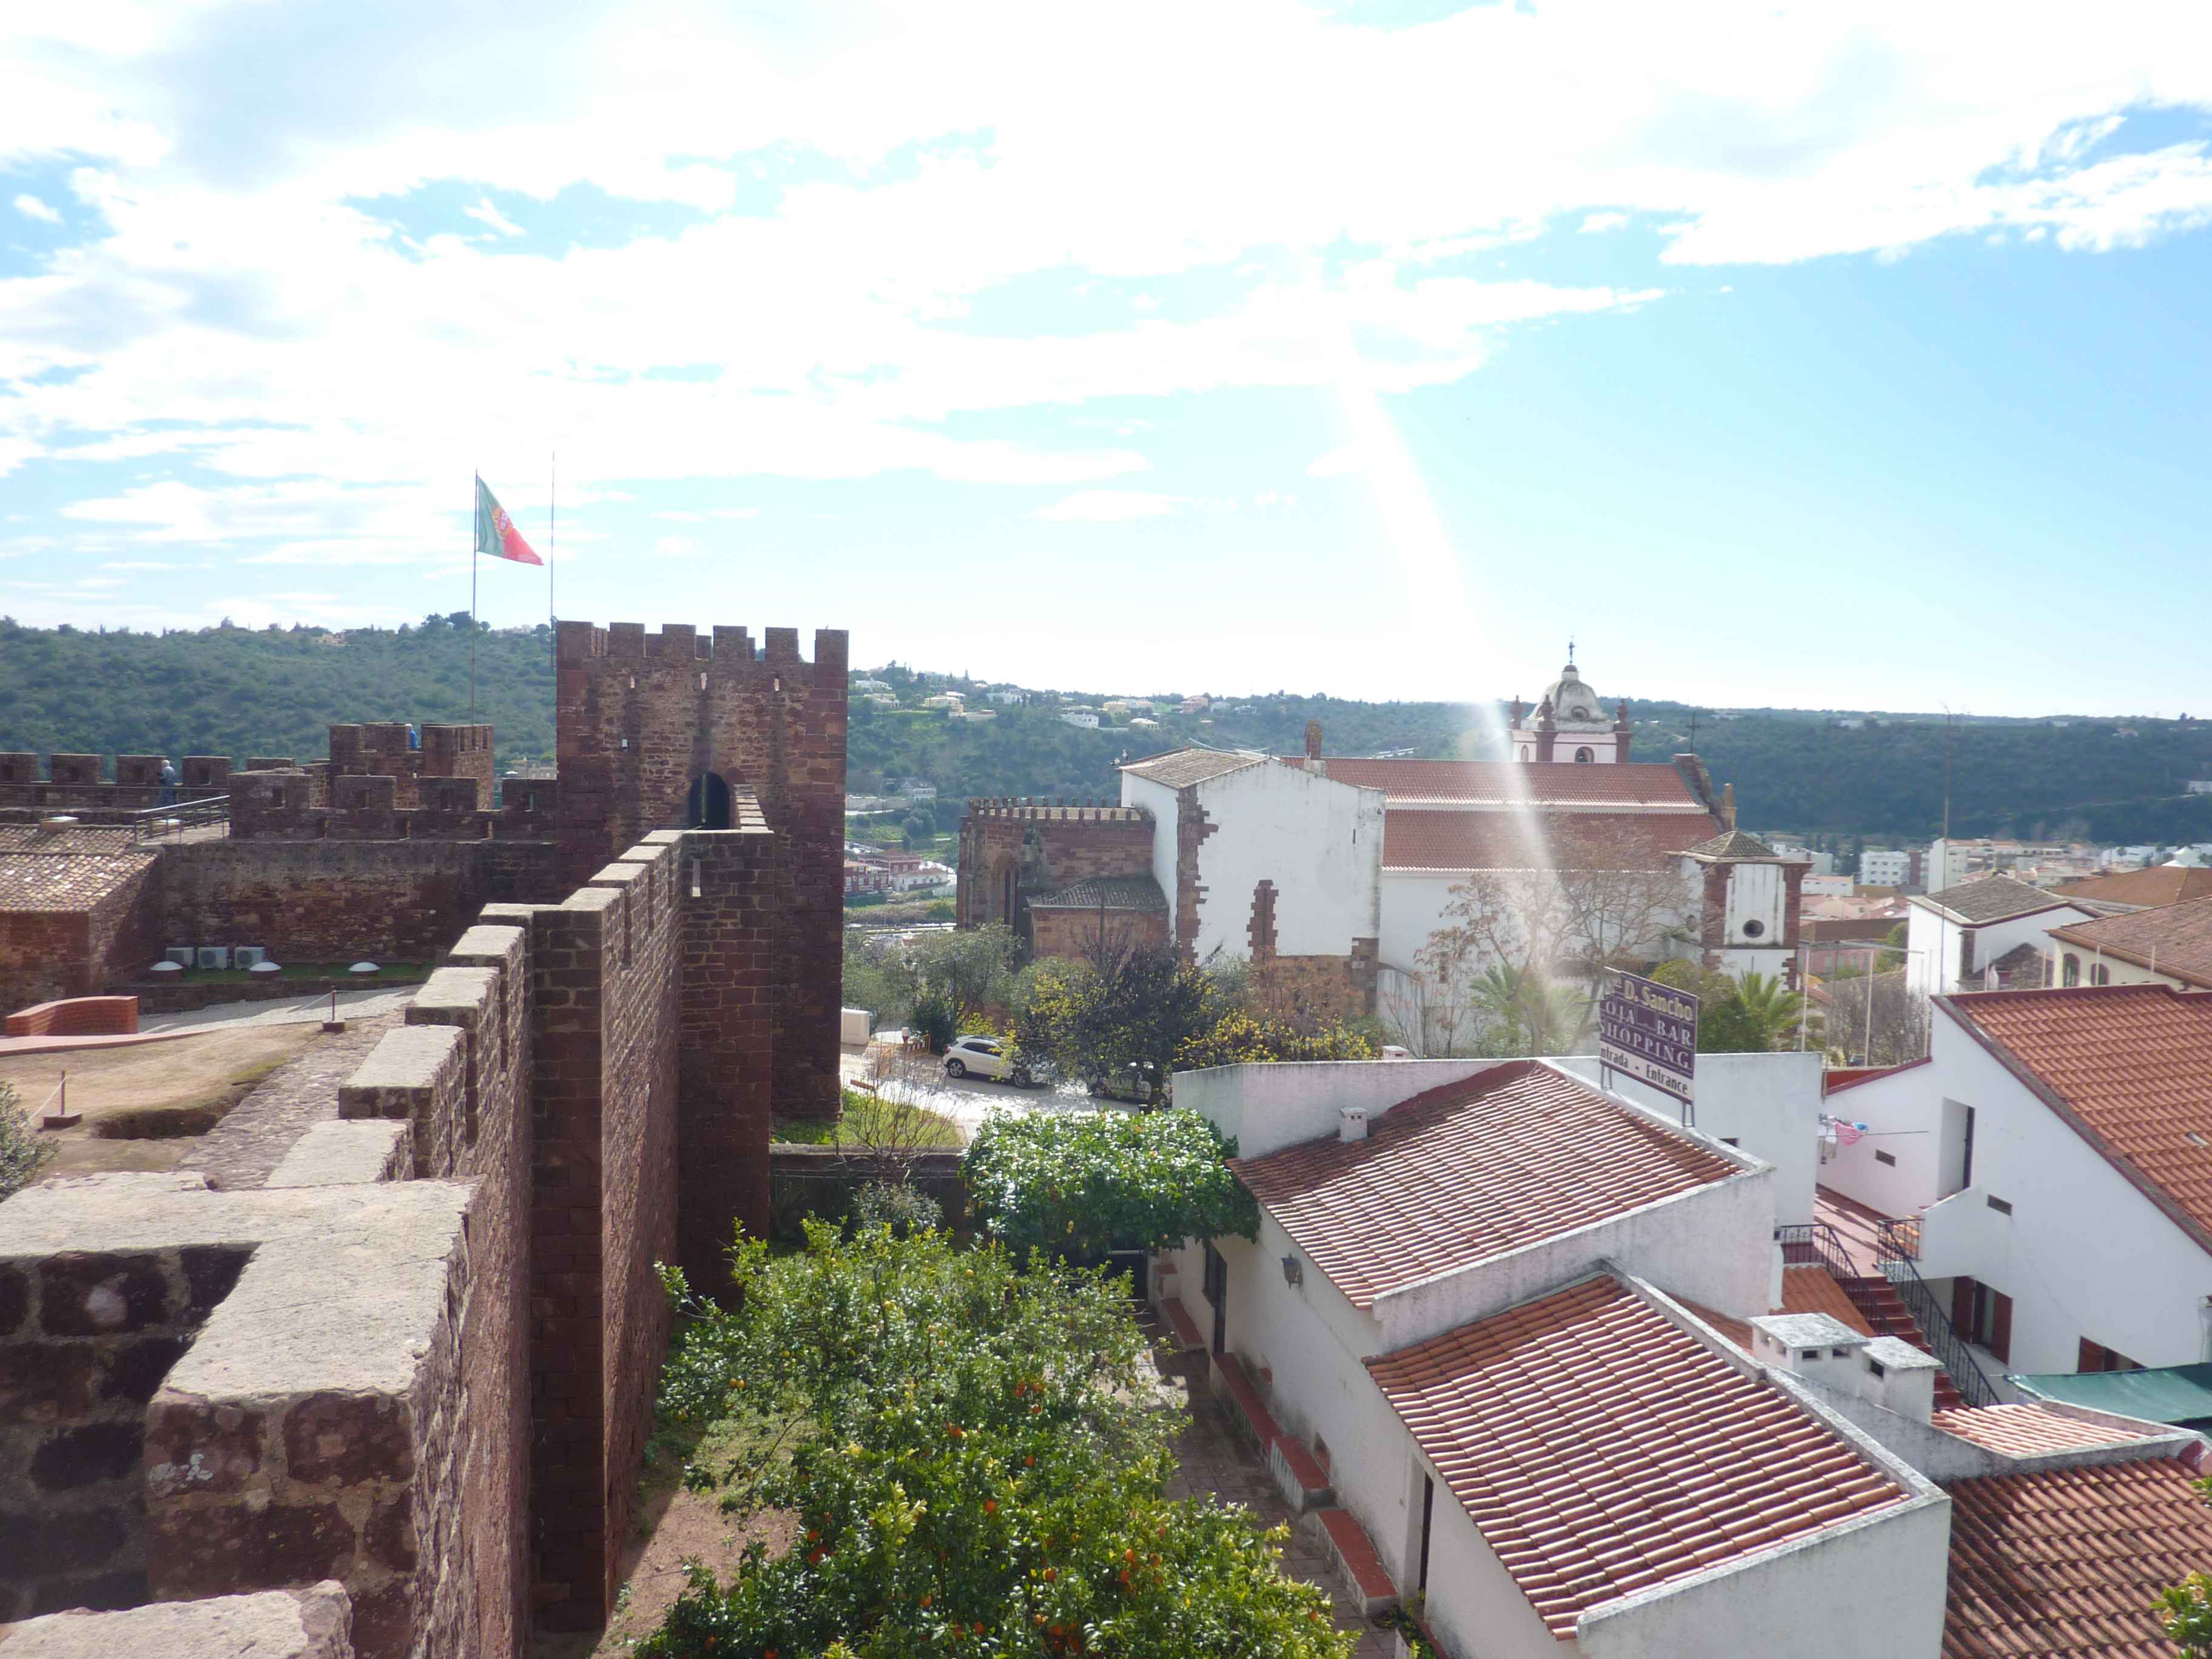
1180	767
67	881
1514	1154
1601	1449
1804	1289
1992	898
1414	839
1734	847
2030	1430
1108	892
2168	884
2069	1561
2177	938
2131	1063
1501	783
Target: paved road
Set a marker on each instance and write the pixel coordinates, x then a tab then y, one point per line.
291	1010
968	1101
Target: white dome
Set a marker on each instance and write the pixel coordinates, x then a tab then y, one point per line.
1573	702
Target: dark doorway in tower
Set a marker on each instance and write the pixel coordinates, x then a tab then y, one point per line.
708	807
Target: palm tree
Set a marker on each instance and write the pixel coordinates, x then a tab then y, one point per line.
1532	1015
1774	1012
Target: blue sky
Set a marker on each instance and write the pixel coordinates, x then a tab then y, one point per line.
1807	355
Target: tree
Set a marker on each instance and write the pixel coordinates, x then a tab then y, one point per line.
1775	1015
972	1463
1139	1011
1724	1027
1876	1018
967	970
1079	1185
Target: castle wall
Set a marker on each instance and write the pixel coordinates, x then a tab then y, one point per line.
338	900
380	749
1042	846
642	717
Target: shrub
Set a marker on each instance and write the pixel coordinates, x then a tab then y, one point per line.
1078	1185
22	1154
896	1204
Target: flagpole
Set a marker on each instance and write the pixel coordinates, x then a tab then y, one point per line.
473	549
553	552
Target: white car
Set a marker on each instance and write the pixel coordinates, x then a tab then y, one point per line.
983	1056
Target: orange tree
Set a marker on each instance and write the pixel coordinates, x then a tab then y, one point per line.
970	1467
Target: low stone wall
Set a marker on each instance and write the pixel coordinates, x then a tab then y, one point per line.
820	1180
314	1623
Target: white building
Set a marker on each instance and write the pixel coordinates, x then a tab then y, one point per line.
1821	886
1958	938
1529	1353
1947	864
1821	864
1885	867
2170	945
1086	717
2055	1149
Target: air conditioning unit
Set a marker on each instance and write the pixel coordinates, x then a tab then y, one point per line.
249	955
183	954
214	956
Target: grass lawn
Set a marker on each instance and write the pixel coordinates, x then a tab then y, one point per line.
869	1121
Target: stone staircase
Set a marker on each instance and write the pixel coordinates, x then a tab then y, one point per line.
1885	1309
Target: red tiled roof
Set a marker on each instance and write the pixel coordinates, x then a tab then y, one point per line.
2169	883
1637	783
2069	1561
2175	939
1805	1289
1448	839
1466	1172
1601	1449
2130	1066
2028	1430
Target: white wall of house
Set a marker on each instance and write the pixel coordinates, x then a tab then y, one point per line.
1414	902
1769	1105
2083	1254
1319	841
1160	801
2087	961
1874	1585
1266	1107
1931	968
1895	1165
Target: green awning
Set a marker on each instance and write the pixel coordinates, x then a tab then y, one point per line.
2178	1394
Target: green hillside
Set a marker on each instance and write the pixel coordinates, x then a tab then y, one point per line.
237	692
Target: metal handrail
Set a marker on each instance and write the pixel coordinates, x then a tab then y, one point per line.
179	815
1817	1243
1943	1339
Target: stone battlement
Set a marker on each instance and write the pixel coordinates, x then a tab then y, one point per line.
290	806
721	651
1007	808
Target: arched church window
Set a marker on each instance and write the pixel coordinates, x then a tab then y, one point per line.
1585	755
2070	972
2101	974
1526	753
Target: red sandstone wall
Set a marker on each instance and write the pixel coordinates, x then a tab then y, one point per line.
1075	932
727	1007
396	901
1045	847
44	955
639	717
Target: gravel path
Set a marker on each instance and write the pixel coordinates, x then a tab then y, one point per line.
352	1005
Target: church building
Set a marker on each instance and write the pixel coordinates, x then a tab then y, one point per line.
1330	875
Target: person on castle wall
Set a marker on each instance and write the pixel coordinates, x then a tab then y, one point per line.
168	783
414	736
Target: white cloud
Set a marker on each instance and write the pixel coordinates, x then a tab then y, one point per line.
1108	506
241	311
32	207
675	547
484	213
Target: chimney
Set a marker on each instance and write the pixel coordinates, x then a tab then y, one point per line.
1897	1377
1815	1347
1728	804
1351	1123
1312	747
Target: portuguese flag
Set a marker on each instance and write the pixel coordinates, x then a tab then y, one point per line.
496	536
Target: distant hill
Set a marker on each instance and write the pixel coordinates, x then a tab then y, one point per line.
238	691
